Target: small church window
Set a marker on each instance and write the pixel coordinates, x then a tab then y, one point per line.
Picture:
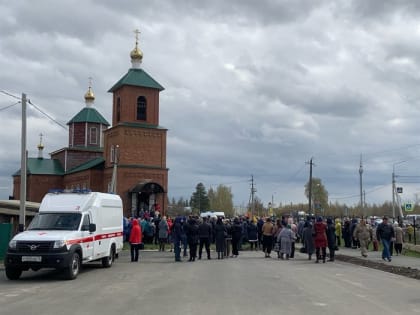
118	109
141	108
93	135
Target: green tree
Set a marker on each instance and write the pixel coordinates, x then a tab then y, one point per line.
199	200
319	194
222	200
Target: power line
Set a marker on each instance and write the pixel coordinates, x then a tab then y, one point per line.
8	106
9	94
358	195
48	116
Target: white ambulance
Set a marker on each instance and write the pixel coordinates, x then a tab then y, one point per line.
70	229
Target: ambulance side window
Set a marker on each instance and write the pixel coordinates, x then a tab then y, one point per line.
86	222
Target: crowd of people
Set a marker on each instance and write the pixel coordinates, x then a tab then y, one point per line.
190	236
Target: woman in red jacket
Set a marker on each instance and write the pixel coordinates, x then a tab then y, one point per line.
135	240
320	238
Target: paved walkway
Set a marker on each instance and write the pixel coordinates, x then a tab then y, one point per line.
401	261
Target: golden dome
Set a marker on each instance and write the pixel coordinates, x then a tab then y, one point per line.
40	146
89	96
136	53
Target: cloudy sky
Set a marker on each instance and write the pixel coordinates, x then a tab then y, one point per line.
251	88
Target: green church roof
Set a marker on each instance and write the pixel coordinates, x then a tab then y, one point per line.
88	165
89	114
137	77
36	166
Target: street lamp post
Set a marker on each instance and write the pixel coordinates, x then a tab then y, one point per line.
361	189
394	189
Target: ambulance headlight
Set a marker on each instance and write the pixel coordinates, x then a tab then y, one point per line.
59	244
12	244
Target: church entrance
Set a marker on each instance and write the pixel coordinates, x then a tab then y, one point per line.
145	198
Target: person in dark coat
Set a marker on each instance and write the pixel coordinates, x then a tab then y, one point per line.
355	242
236	230
184	240
320	239
177	236
205	233
191	229
307	238
331	238
346	234
252	231
219	235
384	233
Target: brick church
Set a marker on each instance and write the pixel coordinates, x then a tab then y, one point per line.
133	148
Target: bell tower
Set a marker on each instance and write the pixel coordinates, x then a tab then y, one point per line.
142	176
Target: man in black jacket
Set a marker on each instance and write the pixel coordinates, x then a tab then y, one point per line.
204	231
384	233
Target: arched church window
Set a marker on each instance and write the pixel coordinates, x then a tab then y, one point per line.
141	108
118	109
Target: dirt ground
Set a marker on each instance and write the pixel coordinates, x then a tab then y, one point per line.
402	271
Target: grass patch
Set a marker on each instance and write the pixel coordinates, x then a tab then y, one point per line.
410	253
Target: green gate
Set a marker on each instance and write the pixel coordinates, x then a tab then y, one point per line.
5	236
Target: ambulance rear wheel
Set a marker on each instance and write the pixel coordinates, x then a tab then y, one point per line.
109	260
13	273
74	267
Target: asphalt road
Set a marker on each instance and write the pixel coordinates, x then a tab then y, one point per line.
249	284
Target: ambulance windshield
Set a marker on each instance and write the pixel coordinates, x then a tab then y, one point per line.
56	221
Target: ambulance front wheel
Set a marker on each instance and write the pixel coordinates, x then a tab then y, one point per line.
73	269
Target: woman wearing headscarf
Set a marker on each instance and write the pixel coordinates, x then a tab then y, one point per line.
399	238
285	240
320	238
331	238
236	231
219	235
163	234
252	234
308	239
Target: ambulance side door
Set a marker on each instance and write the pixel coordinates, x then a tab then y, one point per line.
88	238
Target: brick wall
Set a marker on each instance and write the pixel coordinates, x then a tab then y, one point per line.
37	186
128	99
139	146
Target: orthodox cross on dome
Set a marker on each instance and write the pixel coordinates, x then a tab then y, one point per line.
89	96
137	32
136	54
40	146
40	138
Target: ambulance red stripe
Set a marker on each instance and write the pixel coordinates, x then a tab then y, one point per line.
94	238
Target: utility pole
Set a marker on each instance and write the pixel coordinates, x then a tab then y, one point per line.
393	192
23	162
253	190
361	185
310	185
115	154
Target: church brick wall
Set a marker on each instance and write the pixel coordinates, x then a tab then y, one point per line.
128	99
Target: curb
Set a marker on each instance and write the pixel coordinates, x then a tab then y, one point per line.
398	270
